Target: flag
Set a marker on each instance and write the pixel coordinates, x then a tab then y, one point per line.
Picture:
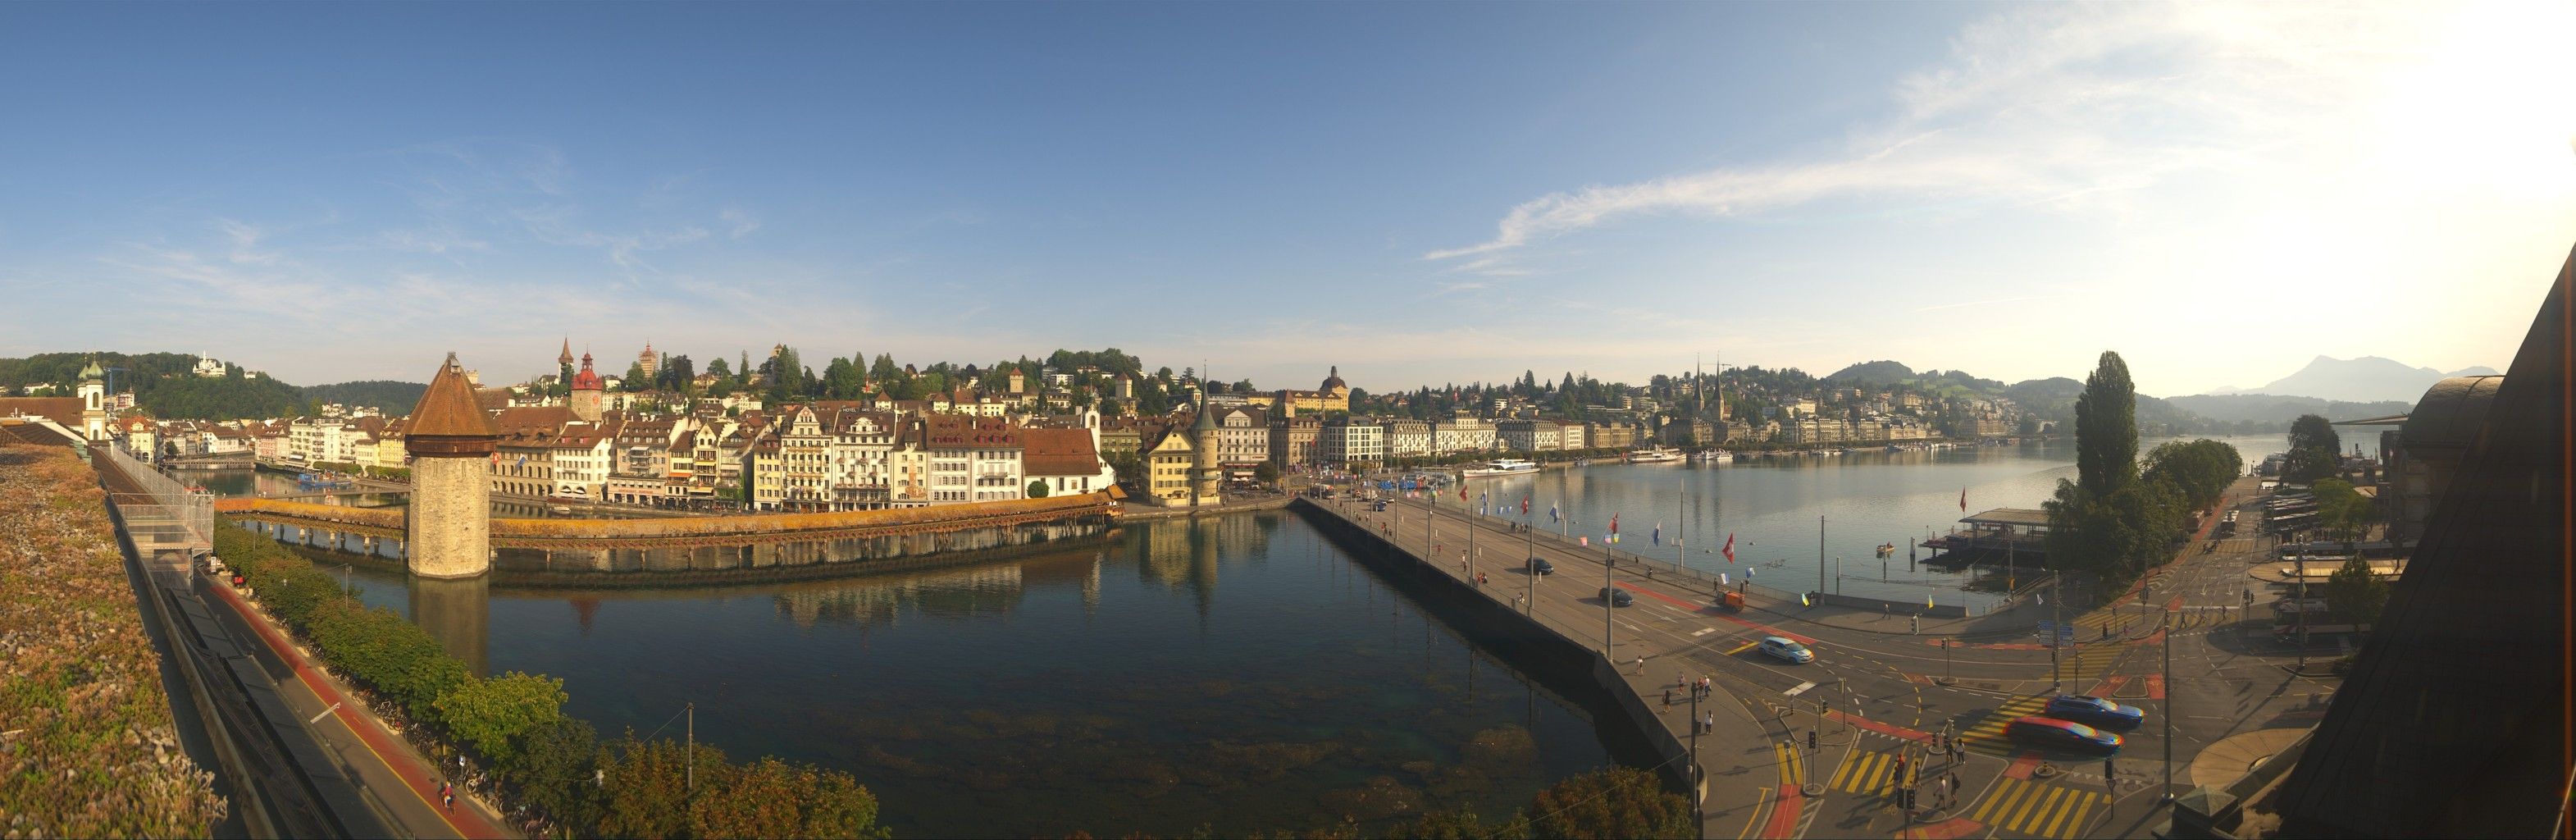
1963	500
1462	491
1551	512
1524	505
1721	578
1802	600
1658	537
1730	547
1585	542
1482	503
1614	523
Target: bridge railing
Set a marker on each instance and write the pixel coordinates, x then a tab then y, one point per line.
166	513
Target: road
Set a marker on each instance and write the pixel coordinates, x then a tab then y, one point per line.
1878	697
399	782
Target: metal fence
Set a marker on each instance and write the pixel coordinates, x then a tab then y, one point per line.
166	515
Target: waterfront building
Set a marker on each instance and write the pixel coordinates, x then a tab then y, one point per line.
1529	435
1168	456
1242	440
580	458
1570	436
1293	438
1462	433
1406	438
859	459
972	459
523	463
1352	444
1064	460
1206	473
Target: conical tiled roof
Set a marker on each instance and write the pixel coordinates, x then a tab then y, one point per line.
448	408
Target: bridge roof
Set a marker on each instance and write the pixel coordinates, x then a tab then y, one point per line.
2009	516
448	408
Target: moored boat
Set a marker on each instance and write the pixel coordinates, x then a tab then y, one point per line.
1501	466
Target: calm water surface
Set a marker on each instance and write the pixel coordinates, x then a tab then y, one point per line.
1240	674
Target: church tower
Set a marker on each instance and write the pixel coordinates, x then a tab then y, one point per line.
586	392
448	527
651	363
565	360
1205	474
93	394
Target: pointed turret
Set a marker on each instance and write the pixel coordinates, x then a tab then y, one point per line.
447	530
566	358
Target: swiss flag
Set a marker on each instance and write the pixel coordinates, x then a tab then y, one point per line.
1963	500
1729	550
1614	523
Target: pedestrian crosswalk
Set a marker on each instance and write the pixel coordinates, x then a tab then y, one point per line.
1873	772
1986	734
2085	664
2038	808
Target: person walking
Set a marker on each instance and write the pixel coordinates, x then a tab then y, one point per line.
1709	724
1668	698
1641	666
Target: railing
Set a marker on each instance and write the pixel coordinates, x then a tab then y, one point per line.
165	514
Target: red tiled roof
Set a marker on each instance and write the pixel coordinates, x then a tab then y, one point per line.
1058	452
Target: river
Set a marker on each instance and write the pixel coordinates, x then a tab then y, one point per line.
1234	674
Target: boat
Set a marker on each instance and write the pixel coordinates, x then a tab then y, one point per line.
1886	549
1713	456
1656	455
1501	466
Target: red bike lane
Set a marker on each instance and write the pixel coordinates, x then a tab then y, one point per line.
416	775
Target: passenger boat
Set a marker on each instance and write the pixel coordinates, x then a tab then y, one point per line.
1713	456
1501	466
1657	455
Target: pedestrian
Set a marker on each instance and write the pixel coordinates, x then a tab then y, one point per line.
1668	698
1709	723
1641	666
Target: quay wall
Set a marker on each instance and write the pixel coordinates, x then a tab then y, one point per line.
1633	733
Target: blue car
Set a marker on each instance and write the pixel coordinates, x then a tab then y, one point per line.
2094	711
2062	735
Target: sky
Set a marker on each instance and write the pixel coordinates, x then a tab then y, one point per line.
1417	193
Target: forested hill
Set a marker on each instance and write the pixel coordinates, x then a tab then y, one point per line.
388	396
167	386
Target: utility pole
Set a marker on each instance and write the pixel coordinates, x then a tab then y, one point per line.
1609	563
1696	781
1529	550
1820	555
2299	601
2056	620
2169	707
690	759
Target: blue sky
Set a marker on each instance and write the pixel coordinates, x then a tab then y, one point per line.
1418	193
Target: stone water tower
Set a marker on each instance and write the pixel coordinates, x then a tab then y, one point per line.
449	522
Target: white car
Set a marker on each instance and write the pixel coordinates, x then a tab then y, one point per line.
1786	650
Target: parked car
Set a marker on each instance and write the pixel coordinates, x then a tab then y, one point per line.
1786	650
2094	712
1540	566
1618	597
2055	734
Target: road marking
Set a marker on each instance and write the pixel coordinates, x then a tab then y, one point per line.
1802	687
2038	808
1745	647
318	716
1703	632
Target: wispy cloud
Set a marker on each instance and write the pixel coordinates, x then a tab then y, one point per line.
2062	107
741	222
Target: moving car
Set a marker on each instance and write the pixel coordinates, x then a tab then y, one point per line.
1540	566
2055	734
1786	650
1618	597
2094	711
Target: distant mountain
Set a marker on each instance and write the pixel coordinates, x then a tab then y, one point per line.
2364	380
2269	410
1873	373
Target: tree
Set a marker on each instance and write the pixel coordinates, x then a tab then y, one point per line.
635	380
1613	803
2315	451
1266	473
489	714
1037	488
2354	595
2341	509
1461	824
2201	469
553	770
720	367
2106	428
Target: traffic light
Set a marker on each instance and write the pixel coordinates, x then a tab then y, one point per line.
2109	771
1905	797
1811	739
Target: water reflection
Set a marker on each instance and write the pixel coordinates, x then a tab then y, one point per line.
1236	673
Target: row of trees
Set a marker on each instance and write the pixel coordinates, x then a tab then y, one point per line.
2316	452
515	723
1613	802
2114	520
